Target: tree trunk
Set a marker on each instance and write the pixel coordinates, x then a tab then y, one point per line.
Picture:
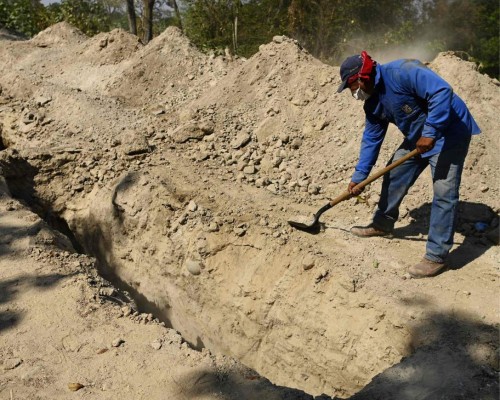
132	23
147	21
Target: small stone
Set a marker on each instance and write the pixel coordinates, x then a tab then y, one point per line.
126	311
117	342
159	111
11	363
308	262
75	386
213	227
106	291
192	206
156	344
296	143
241	140
240	230
194	267
42	100
278	39
249	170
484	189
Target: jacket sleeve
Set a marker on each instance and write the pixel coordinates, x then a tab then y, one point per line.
373	136
438	95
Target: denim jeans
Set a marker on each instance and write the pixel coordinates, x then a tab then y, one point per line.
446	168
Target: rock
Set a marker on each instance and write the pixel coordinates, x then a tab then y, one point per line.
249	170
194	267
134	143
117	342
308	262
126	311
278	39
75	386
192	131
192	206
156	344
240	230
296	143
213	227
106	291
42	100
241	140
11	363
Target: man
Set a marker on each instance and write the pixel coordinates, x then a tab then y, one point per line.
433	120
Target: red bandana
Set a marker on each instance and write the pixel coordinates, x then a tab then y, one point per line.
366	69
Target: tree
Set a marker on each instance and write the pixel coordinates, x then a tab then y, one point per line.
468	26
90	16
25	17
147	20
132	23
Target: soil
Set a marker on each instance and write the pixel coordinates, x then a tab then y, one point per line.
145	250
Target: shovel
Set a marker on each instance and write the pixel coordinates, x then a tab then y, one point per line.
314	225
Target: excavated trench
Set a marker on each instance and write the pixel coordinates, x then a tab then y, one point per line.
319	338
19	176
248	325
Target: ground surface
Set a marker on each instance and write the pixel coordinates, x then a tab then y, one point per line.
160	174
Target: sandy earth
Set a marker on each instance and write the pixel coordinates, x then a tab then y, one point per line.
145	250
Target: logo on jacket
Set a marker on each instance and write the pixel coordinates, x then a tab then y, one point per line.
407	109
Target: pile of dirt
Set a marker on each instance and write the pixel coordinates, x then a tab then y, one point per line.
111	47
178	171
60	34
167	72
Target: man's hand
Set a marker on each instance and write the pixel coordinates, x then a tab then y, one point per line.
424	144
351	190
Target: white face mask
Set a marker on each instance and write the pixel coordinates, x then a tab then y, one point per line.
360	95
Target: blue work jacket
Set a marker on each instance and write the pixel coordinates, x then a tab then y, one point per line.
420	103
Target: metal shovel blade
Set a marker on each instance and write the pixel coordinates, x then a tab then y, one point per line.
313	226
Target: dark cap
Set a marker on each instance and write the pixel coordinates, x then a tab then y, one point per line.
351	66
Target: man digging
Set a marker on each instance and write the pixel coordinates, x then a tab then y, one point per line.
433	120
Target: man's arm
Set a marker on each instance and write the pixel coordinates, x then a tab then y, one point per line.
373	136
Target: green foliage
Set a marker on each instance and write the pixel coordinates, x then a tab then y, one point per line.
89	16
469	26
329	29
25	17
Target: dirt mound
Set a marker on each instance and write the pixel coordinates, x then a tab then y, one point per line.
60	34
111	47
167	72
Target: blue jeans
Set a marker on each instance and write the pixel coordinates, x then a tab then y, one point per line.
446	168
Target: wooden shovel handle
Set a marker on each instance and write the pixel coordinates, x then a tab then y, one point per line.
346	195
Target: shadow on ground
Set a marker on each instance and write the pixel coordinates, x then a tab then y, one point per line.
454	357
10	317
478	223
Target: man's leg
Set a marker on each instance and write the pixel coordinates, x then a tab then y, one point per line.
447	170
395	185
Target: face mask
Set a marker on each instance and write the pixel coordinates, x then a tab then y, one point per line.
360	95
